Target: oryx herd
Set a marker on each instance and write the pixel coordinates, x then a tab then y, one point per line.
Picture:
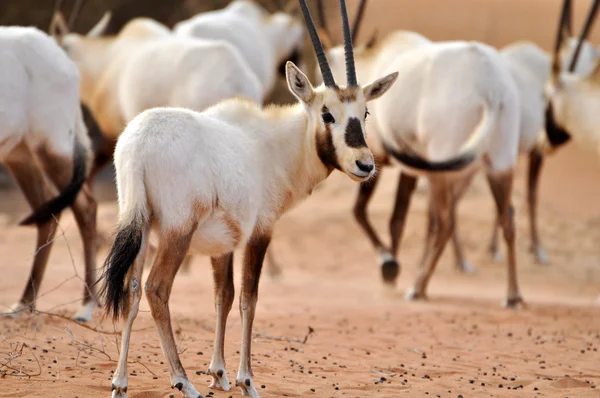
204	165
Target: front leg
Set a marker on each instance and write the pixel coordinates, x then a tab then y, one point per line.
253	260
224	292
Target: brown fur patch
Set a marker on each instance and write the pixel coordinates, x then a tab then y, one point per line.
326	149
347	94
234	228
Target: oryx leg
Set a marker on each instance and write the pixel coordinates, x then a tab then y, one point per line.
536	159
37	191
389	266
501	184
224	293
59	169
441	200
134	287
170	254
406	187
253	261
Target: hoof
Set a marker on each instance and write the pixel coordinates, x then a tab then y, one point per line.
17	311
496	255
85	313
515	303
187	389
389	271
466	267
540	256
219	380
247	387
119	392
414	295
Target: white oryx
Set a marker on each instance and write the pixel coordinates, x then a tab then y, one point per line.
264	40
219	179
145	66
45	146
455	106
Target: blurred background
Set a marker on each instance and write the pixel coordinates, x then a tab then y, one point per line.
496	22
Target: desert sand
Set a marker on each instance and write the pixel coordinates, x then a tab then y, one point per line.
367	341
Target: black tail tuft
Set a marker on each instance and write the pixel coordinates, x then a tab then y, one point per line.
55	206
416	161
557	136
123	252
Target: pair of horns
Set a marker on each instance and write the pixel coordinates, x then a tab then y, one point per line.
565	24
328	79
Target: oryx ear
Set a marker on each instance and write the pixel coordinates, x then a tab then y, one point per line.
379	86
100	27
58	26
372	40
298	83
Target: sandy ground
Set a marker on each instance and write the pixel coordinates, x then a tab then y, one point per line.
367	341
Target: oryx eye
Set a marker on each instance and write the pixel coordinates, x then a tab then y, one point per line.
328	118
366	113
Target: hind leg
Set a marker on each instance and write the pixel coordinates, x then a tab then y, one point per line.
134	287
59	169
37	191
171	252
501	184
441	202
224	293
536	159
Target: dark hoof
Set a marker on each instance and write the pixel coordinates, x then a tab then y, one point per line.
390	270
515	303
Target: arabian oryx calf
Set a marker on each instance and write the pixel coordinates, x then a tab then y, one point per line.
265	40
454	107
216	180
44	144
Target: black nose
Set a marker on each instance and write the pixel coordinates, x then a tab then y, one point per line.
367	168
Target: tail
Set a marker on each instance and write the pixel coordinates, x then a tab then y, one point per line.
55	206
467	154
133	222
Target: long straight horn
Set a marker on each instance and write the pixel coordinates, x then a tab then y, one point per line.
358	19
584	33
314	36
348	50
75	13
559	37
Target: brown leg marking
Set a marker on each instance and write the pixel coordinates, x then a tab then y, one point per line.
536	160
253	261
406	187
389	265
171	251
59	169
365	193
501	185
37	191
441	203
224	293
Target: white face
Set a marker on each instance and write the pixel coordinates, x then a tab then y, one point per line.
338	118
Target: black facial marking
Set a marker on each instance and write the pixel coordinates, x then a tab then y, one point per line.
220	373
326	149
179	386
248	382
354	135
556	134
